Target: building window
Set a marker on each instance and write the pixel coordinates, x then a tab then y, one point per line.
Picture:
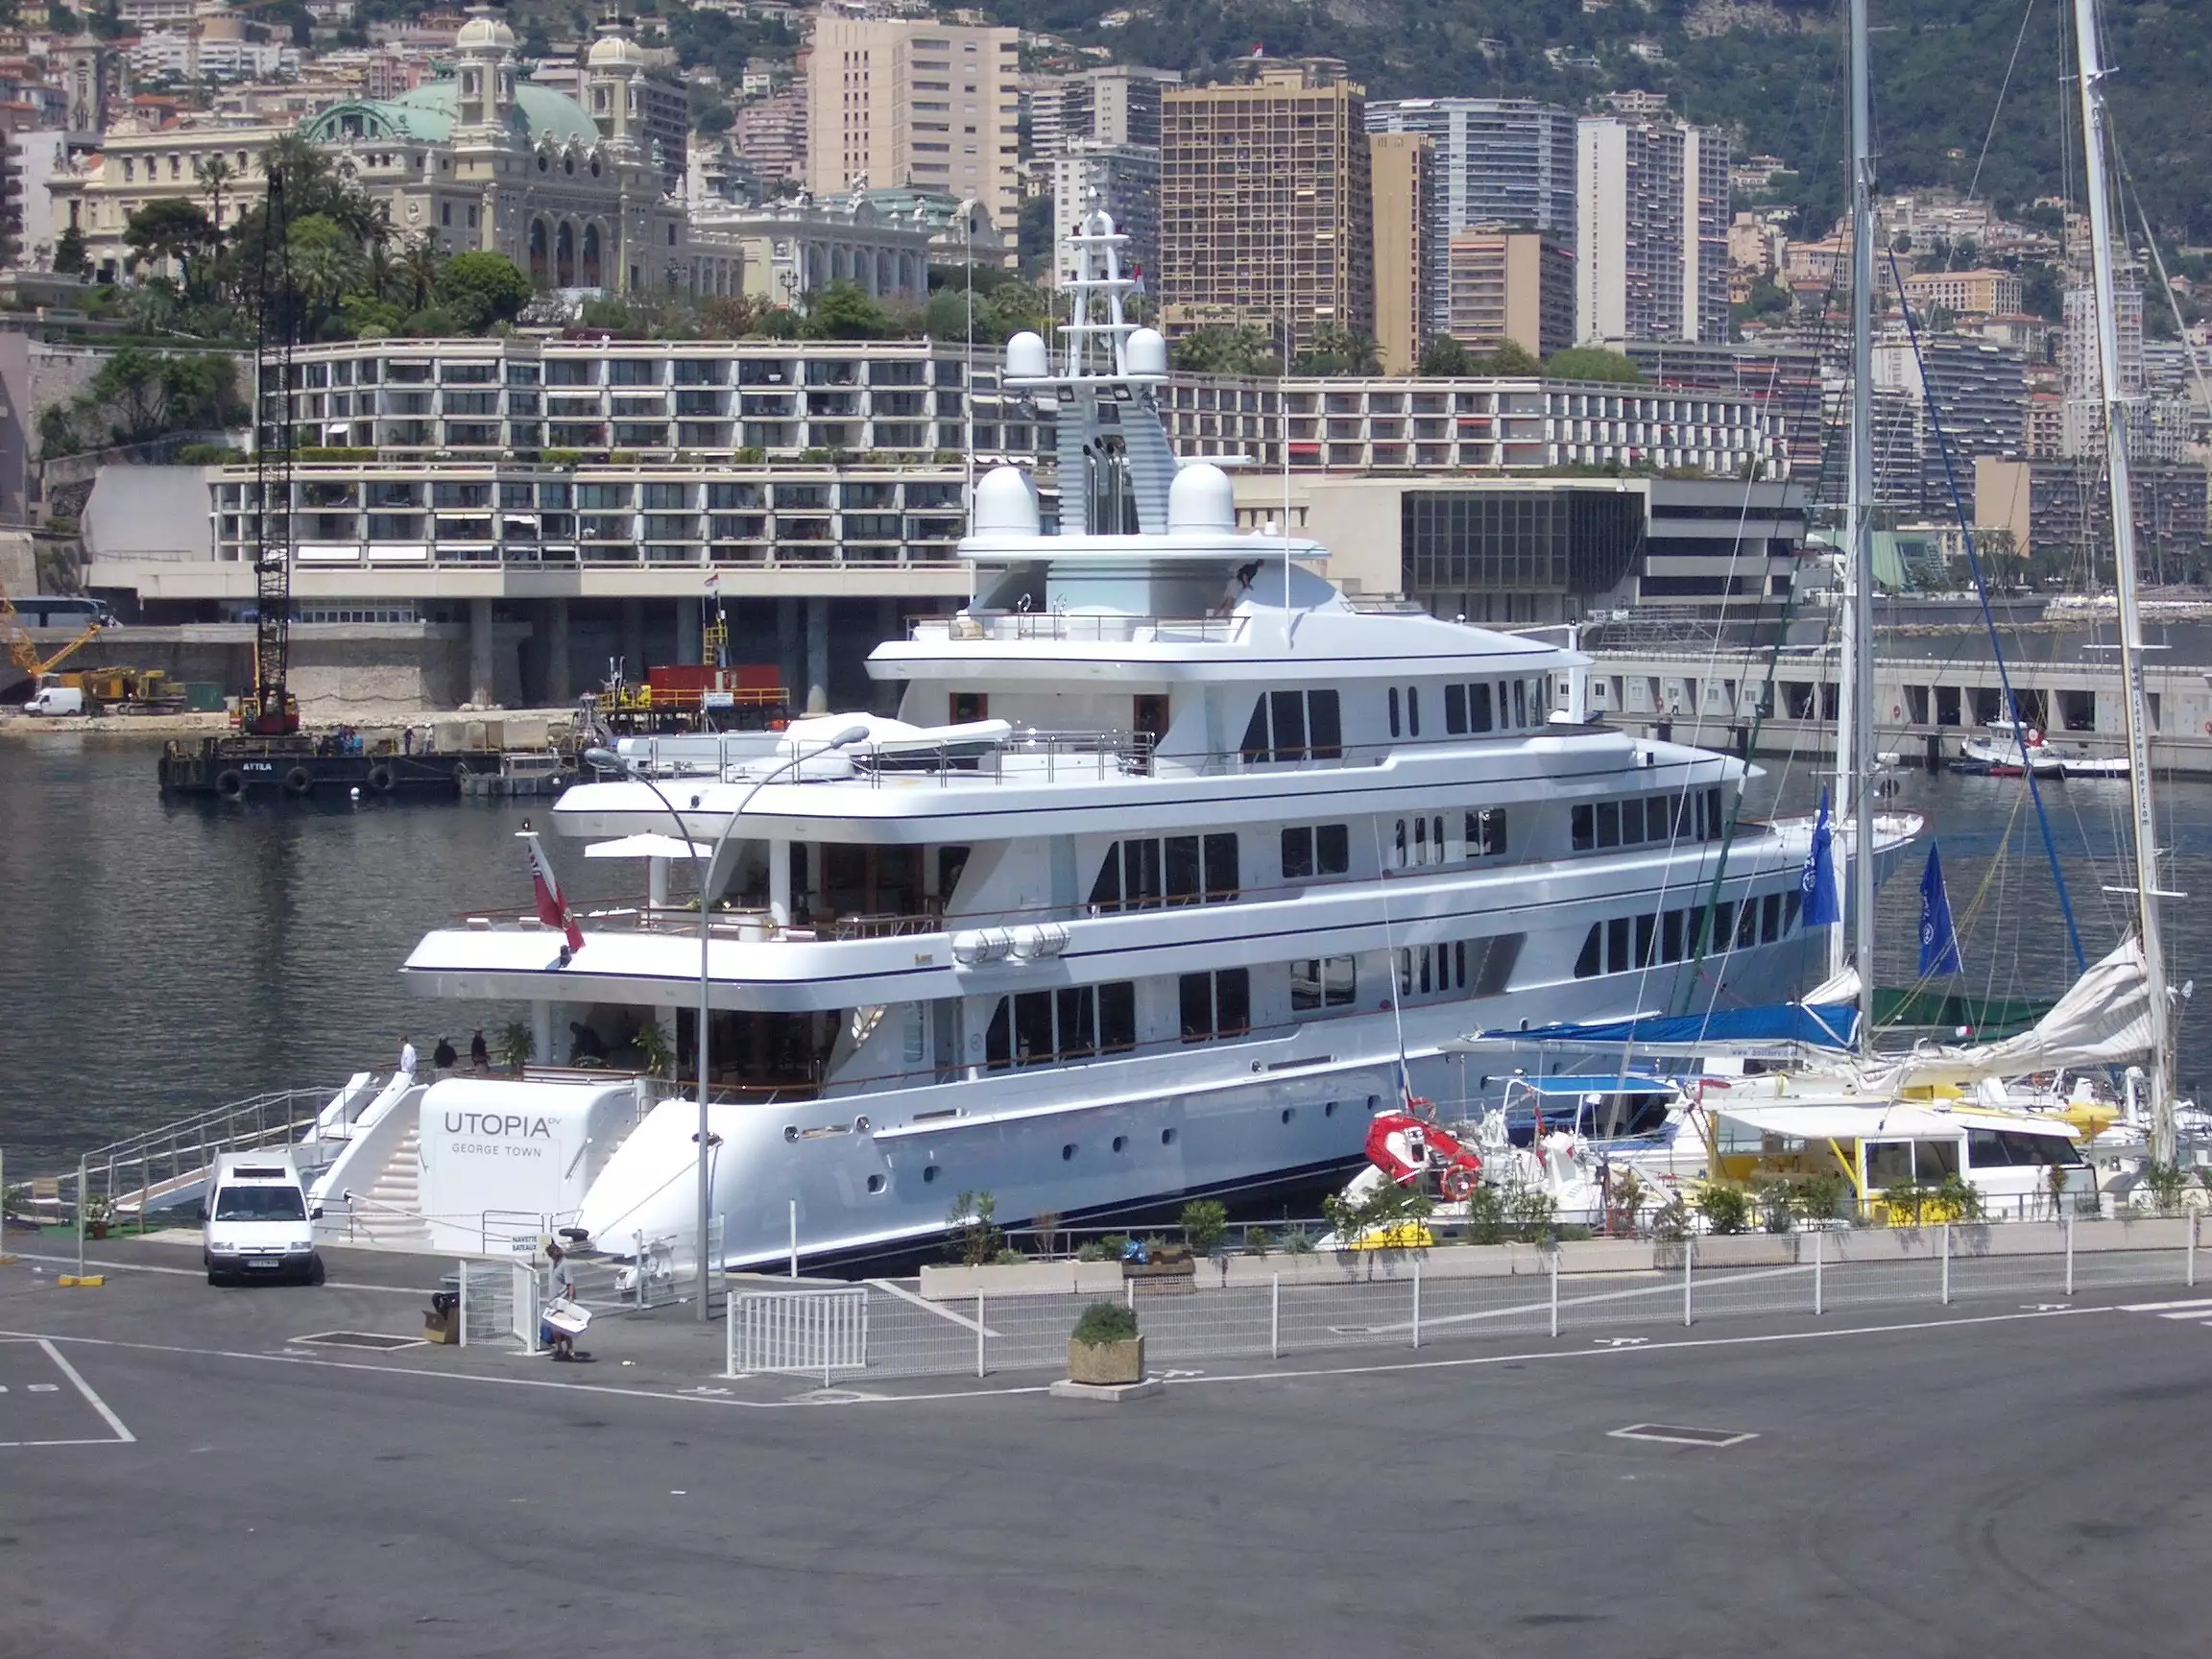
1216	1004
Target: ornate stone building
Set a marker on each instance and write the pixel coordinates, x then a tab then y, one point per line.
571	191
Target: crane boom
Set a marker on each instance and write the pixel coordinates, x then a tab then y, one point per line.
268	708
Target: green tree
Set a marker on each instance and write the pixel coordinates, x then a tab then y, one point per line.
325	265
70	257
482	289
1510	358
215	176
1336	350
169	232
1590	363
1219	351
1444	358
421	264
847	311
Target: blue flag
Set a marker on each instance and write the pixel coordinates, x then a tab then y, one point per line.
1816	882
1938	938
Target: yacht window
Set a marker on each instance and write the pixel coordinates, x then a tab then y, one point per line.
1490	963
1609	823
1486	833
1412	710
1216	1004
1889	1162
1295	726
1747	925
1646	936
1934	1160
1671	936
1770	917
1617	959
2026	1151
1179	870
1322	850
1791	900
1323	982
1454	710
1479	707
1393	710
1723	924
1040	1027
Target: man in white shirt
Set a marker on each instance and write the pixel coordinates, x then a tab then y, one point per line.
406	1057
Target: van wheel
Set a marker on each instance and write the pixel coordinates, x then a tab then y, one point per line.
215	1278
315	1274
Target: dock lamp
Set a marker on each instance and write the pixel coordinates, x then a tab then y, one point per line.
607	761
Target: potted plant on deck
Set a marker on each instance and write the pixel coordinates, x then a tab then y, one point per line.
1105	1350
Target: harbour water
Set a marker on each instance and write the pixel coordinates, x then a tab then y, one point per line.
166	957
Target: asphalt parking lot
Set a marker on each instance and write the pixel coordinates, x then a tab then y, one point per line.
178	1474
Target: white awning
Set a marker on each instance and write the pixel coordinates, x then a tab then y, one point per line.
1827	1122
648	845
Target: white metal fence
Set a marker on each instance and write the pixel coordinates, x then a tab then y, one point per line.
798	1333
1372	1300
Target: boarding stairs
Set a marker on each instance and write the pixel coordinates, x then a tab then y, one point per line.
389	1215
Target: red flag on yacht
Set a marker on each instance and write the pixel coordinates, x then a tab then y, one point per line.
552	909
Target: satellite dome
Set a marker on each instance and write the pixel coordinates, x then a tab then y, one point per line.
1006	503
1147	355
1026	357
1201	501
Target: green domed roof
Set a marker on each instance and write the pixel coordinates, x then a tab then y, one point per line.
427	113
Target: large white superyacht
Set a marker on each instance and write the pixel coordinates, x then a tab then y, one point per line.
1175	866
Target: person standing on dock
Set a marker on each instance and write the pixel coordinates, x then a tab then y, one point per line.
443	1059
406	1057
479	1053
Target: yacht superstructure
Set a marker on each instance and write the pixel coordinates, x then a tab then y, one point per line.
1174	868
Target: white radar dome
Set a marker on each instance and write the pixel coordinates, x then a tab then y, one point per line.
1201	499
1147	354
1025	359
1006	502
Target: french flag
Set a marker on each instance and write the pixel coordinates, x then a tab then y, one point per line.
552	909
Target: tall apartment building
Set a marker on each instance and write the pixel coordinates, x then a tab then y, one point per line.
1125	179
1516	285
1979	388
2157	427
1117	104
897	102
1266	213
1652	228
770	134
1498	161
1402	167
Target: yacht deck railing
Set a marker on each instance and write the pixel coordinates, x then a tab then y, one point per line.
1081	627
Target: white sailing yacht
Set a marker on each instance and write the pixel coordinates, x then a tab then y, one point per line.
1175	867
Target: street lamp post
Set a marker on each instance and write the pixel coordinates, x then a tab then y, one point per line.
607	761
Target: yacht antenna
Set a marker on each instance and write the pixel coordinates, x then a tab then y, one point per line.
1854	702
2091	70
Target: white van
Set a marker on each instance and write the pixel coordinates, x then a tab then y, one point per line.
259	1224
54	701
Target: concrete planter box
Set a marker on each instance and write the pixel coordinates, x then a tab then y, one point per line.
1106	1364
1022	1279
1746	1250
1606	1255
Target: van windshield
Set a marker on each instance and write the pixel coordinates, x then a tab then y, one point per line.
260	1204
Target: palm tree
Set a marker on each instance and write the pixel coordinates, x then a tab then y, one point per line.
214	174
422	263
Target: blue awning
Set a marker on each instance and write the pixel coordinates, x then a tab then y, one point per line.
1811	1025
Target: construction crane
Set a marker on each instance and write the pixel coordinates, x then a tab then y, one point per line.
23	650
267	708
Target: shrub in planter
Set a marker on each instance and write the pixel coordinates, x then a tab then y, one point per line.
1205	1222
1104	1348
1725	1209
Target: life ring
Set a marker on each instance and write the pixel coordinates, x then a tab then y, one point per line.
298	780
1896	711
1458	1185
380	778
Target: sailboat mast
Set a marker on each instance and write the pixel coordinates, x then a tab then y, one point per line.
2136	701
1855	703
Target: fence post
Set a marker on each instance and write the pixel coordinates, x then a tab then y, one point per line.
1129	1294
1689	1250
2191	1249
461	1306
1554	1293
1275	1316
794	1242
730	1336
1946	1263
978	1333
2069	1252
1819	1241
1416	1301
84	1197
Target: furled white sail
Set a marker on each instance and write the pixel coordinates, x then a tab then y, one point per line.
2104	1020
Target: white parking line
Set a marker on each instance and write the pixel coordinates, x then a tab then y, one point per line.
2199	1306
98	1267
122	1436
